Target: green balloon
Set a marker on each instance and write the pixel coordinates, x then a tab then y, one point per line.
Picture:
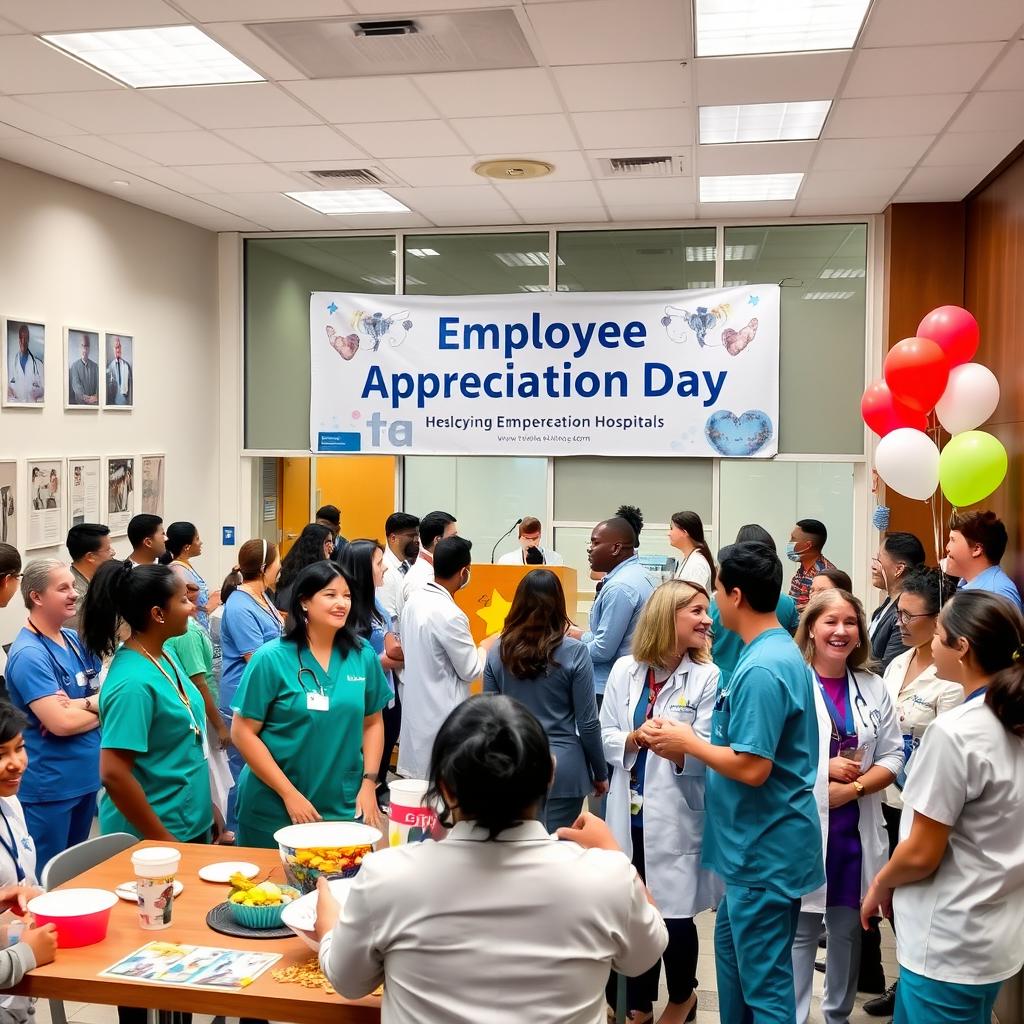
971	467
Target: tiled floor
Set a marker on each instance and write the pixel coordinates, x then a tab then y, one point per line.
82	1013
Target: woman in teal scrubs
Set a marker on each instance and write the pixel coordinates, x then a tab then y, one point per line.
151	758
307	717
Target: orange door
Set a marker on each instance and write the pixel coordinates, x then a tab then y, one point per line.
363	487
295	505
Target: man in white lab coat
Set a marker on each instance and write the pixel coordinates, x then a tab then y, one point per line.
434	527
441	658
402	532
25	374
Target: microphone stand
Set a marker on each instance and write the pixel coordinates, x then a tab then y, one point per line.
502	537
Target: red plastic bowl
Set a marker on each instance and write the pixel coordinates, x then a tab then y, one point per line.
81	915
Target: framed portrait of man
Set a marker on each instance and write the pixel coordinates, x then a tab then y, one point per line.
119	372
23	363
83	378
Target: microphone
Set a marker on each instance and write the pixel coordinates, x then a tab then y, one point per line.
503	536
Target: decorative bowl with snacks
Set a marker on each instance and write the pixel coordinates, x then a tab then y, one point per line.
334	849
259	904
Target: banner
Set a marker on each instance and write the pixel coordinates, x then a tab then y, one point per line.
566	373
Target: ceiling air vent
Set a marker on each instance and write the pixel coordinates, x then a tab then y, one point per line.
641	166
354	47
353	177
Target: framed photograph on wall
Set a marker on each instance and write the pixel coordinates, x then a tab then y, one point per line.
153	484
120	484
10	506
82	378
44	502
83	485
24	369
118	391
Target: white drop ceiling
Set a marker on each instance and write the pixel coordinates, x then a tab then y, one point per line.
926	104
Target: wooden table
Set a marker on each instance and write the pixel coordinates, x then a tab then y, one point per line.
74	975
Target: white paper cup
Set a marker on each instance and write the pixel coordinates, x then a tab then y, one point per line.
412	819
155	869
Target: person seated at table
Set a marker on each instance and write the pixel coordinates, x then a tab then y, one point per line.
152	761
307	717
497	916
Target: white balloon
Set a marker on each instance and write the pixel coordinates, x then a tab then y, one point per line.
908	461
971	396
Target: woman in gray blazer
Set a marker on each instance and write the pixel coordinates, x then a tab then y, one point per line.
552	674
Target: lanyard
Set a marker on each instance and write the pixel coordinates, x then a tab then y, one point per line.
12	848
266	606
977	693
842	722
60	671
179	688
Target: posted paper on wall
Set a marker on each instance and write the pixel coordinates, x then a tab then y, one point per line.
565	373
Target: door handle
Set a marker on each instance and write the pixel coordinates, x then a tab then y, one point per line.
290	536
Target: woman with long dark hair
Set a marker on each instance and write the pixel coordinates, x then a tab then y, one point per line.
182	544
686	534
314	544
307	717
552	674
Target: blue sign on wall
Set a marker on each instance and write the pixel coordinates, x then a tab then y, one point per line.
228	536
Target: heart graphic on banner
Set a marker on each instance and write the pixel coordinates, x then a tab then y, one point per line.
730	434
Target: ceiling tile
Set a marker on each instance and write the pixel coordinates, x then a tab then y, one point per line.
854	207
564	215
422	6
491	93
637	86
8	28
8	131
35	121
607	31
549	195
429	201
277	144
971	148
514	134
755	158
29	65
849	154
838	184
915	22
248	47
181	148
102	149
358	100
778	208
272	210
568	165
173	179
405	138
893	115
773	78
919	70
114	110
243	178
464	218
1009	72
435	170
635	128
195	212
260	10
653	211
648	191
253	105
991	112
76	15
950	183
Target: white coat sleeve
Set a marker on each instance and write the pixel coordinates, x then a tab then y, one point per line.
614	711
644	937
349	955
467	659
889	744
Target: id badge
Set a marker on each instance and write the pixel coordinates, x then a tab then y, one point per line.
686	713
318	702
636	802
82	680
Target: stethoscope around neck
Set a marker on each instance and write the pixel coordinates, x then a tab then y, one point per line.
860	705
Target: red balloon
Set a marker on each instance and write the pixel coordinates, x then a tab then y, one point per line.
916	370
954	330
883	413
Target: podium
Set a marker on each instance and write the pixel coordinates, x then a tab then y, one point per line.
488	598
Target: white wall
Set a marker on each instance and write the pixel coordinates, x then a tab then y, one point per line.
71	256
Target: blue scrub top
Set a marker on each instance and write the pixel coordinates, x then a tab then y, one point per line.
59	767
247	624
750	832
727	646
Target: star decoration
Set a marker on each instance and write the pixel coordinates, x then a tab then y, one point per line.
332	308
753	299
495	613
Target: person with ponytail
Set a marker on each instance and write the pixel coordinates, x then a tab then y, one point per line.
152	761
183	543
956	879
497	922
686	534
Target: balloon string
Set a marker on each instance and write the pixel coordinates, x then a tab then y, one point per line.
936	499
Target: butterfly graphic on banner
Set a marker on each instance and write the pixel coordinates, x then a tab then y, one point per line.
677	321
375	326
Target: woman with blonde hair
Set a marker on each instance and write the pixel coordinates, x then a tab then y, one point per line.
656	800
865	754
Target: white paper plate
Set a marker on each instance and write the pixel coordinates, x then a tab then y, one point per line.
126	891
222	871
300	914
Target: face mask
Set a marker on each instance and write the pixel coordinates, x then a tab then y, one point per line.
791	552
465	583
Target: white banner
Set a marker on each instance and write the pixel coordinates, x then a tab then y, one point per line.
565	373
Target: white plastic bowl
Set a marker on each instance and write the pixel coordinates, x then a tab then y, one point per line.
293	840
300	914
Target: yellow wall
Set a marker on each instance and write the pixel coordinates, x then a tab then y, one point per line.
362	486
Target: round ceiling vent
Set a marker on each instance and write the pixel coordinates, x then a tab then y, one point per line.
513	170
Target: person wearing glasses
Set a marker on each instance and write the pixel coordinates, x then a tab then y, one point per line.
307	716
865	755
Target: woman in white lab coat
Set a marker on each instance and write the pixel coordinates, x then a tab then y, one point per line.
865	755
956	879
656	799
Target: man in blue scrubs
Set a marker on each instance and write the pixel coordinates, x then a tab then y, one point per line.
761	833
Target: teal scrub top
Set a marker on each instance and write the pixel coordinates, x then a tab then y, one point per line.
750	832
727	646
319	751
142	712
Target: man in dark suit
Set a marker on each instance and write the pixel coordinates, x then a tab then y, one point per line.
897	555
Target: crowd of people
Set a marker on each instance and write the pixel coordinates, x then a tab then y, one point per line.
799	766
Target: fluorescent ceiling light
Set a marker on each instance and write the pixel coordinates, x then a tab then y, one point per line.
827	296
149	57
422	253
700	284
388	280
730	27
748	188
833	272
735	284
349	201
763	122
706	253
526	259
533	288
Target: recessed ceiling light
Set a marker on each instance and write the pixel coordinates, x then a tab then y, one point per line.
763	122
422	253
146	58
748	188
730	27
349	201
706	253
525	259
833	272
534	288
827	296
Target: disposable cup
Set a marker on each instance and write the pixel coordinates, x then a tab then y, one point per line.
412	819
155	869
